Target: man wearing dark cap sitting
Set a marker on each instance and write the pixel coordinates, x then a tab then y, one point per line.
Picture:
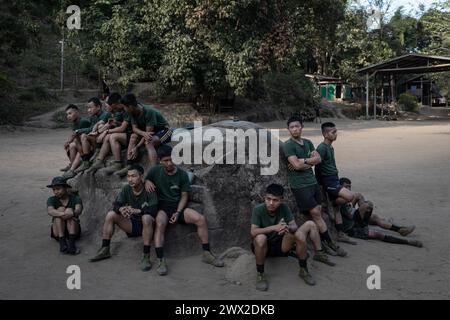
64	208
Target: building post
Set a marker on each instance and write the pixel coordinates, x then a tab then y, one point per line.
367	96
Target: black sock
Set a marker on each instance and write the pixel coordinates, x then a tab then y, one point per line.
339	227
392	239
72	242
86	157
205	246
62	244
146	249
395	228
325	236
159	252
106	242
260	268
302	263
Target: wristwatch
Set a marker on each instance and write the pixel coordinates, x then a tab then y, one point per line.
305	161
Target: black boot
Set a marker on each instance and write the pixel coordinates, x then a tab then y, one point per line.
62	245
73	250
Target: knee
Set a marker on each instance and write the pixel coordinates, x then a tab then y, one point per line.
201	221
300	237
111	216
147	220
311	225
260	240
133	137
161	223
58	220
316	214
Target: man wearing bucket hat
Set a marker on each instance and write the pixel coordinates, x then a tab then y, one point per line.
64	208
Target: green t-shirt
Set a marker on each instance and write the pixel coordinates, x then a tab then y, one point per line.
82	123
103	116
121	116
56	203
262	218
126	197
327	167
299	178
169	187
150	117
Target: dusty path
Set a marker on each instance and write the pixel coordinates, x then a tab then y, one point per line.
403	167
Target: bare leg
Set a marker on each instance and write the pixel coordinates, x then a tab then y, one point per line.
106	147
316	216
76	162
152	156
193	217
117	140
260	243
58	226
161	224
72	226
147	229
112	219
379	221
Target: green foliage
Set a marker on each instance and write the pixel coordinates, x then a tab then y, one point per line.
408	102
289	90
189	48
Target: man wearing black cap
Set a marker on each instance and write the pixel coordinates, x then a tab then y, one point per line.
65	208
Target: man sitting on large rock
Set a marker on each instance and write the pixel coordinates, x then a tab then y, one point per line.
172	186
150	129
134	212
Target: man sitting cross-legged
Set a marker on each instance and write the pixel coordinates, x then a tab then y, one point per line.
275	233
73	144
117	136
357	221
64	208
134	212
172	186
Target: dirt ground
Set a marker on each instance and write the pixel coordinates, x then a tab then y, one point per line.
403	167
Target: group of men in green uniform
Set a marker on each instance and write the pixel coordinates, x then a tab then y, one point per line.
149	203
125	124
273	228
144	207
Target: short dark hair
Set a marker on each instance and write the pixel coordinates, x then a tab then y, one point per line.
129	100
295	118
72	106
275	189
164	151
96	101
136	167
327	125
113	98
344	180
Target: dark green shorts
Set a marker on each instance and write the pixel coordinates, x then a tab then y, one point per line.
170	208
